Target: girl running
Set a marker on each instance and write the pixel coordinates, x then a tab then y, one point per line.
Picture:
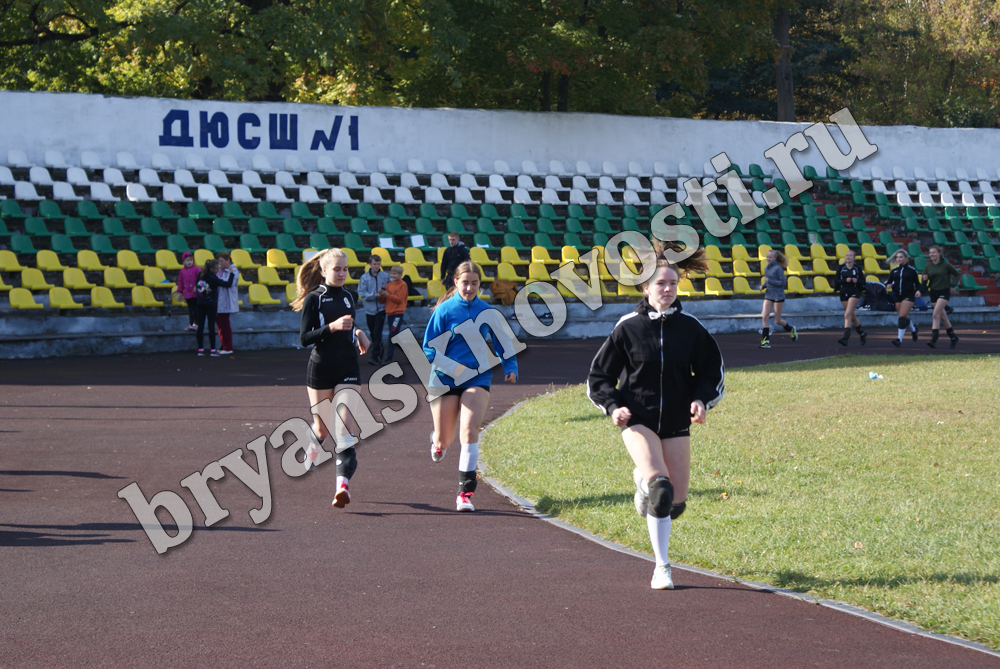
207	289
328	311
673	373
774	297
905	286
850	282
941	277
463	406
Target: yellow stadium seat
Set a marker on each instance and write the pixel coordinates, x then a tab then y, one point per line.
873	278
416	258
411	271
820	267
795	268
102	296
33	279
48	261
352	258
260	295
507	272
142	296
541	254
480	257
277	258
508	254
202	256
21	298
625	290
570	254
4	286
538	272
742	287
165	259
762	253
115	278
9	263
604	273
89	262
796	286
435	289
486	276
130	261
243	283
842	250
741	268
60	298
872	267
436	272
440	252
740	253
241	258
792	251
713	253
75	279
714	287
268	276
686	289
154	278
821	285
715	269
868	251
382	253
291	292
817	252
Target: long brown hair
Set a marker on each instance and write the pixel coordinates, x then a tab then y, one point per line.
311	274
211	265
467	266
696	262
780	258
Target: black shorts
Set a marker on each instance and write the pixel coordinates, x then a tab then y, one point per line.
936	295
665	434
458	391
846	296
904	298
328	374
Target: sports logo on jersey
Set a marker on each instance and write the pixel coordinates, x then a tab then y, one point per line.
347	302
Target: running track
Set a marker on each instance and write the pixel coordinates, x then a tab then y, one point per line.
398	579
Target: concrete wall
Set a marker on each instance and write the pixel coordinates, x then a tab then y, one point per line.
72	123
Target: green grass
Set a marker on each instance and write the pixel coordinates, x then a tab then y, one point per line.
808	476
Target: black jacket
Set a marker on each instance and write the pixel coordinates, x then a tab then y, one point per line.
452	257
903	280
668	362
845	272
214	283
320	308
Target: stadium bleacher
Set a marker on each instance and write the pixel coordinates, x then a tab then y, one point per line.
88	235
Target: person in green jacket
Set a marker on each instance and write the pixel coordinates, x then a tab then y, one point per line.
940	277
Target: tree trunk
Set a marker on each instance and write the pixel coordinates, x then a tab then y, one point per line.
546	101
783	68
563	103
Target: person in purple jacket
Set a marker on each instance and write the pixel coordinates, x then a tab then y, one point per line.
186	281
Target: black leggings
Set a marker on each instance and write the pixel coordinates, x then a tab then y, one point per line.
206	311
192	309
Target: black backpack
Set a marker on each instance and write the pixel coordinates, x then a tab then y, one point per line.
876	298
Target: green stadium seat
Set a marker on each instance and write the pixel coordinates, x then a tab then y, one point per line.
512	240
983	238
359	226
425	227
259	227
455	225
214	243
162	211
333	210
72	226
292	226
21	245
790	238
482	240
546	226
518	210
516	225
913	248
197	211
101	244
602	226
35	227
968	282
177	244
151	228
325	226
250	244
390	226
50	209
764	239
398	212
573	239
319	241
63	244
367	212
458	211
941	239
286	243
966	252
140	244
604	211
10	209
113	227
543	240
994	265
266	210
224	228
429	212
486	227
301	211
188	227
549	212
630	225
488	211
600	239
352	240
961	238
233	211
124	210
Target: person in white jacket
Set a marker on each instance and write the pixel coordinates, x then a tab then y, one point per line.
229	302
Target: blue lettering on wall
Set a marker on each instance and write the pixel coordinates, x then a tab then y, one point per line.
284	133
248	143
352	130
216	129
183	138
328	142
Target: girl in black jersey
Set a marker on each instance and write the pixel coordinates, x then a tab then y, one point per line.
850	282
328	326
673	373
905	286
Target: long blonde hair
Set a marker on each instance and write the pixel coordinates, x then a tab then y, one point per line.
696	262
467	266
780	258
311	274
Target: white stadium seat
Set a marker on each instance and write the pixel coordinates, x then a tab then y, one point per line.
242	193
25	191
501	167
496	181
39	176
925	200
126	161
685	170
184	178
227	163
77	177
402	195
18	158
577	196
467	181
114	177
207	193
656	197
63	191
877	173
661	170
354	164
294	164
408	180
348	180
55	159
285	179
580	183
275	193
948	200
260	163
610	169
6	178
556	167
252	179
372	195
464	196
660	184
444	167
415	166
631	197
439	180
386	166
433	196
526	182
968	200
148	177
583	167
494	196
137	193
605	197
159	161
550	196
218	178
521	196
903	200
473	167
940	174
91	161
553	182
633	184
529	167
316	180
173	193
325	164
102	193
340	194
195	163
378	180
309	194
608	184
918	173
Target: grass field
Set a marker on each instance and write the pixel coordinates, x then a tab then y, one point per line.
808	476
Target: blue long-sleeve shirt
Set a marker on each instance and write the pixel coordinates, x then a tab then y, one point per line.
450	316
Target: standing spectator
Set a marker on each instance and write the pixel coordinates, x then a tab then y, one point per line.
371	290
397	294
186	281
208	303
454	255
229	301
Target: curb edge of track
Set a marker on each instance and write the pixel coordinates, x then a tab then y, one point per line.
528	506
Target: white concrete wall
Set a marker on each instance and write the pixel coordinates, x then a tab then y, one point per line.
72	123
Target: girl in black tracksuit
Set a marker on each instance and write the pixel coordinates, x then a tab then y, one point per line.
207	292
850	283
904	283
328	311
673	373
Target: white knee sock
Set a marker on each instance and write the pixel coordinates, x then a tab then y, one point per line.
659	535
470	457
901	332
911	327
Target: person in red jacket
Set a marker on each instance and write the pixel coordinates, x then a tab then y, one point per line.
397	293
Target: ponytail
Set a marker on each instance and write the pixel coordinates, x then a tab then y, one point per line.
696	262
780	258
311	275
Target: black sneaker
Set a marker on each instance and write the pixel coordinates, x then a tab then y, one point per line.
913	335
954	342
932	343
201	353
896	343
864	336
842	341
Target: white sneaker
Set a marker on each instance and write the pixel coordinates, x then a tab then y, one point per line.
663	579
464	502
221	352
343	496
641	499
437	454
311	454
